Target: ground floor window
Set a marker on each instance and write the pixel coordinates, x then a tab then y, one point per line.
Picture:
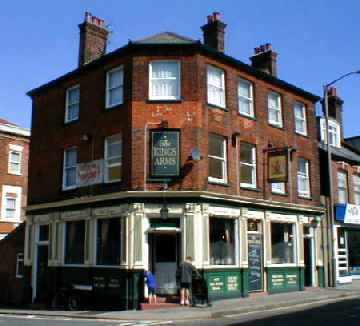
282	243
222	241
75	242
108	241
354	251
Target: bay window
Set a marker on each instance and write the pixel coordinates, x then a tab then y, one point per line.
274	109
247	165
114	87
300	118
282	243
164	80
217	159
113	158
245	98
303	178
69	168
216	86
222	241
74	242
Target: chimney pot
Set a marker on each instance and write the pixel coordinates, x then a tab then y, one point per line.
214	32
217	15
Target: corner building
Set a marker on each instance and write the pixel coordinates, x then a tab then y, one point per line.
159	150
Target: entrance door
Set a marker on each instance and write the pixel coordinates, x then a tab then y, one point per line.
42	274
164	258
255	256
309	257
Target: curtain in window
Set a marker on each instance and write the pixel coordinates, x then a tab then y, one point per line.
164	80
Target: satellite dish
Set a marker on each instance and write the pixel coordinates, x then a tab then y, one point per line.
195	154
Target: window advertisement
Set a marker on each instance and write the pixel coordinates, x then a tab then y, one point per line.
165	153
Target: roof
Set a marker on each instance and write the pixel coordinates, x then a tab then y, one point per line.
173	39
166	38
6	122
343	152
11	128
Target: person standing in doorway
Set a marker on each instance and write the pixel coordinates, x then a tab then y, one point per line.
150	280
184	274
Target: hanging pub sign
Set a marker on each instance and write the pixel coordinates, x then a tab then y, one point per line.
278	166
165	153
89	173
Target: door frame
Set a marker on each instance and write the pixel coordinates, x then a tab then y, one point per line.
311	237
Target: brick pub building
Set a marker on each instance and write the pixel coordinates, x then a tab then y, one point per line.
159	150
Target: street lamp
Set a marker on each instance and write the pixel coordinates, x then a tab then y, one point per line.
330	216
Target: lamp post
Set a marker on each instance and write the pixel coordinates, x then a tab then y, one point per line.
330	215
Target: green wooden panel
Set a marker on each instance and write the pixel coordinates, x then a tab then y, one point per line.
283	279
245	282
321	276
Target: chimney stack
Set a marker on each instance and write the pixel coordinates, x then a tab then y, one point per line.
265	59
335	107
214	32
93	39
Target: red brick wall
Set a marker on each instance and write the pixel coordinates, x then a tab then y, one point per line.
11	179
191	115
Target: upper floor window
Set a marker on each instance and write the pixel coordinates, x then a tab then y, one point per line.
11	202
217	159
303	177
69	169
247	165
115	87
356	188
164	80
342	187
15	158
245	97
216	86
72	103
334	132
274	109
300	118
113	155
278	188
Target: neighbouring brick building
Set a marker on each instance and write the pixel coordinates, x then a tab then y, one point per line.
345	163
159	150
14	152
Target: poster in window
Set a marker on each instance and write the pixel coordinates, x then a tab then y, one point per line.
165	153
278	166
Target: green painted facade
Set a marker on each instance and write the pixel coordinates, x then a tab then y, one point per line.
321	276
285	279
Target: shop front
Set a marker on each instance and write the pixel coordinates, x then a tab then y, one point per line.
347	242
102	251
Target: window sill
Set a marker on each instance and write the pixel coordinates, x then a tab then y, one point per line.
10	220
218	183
281	127
113	107
280	265
250	188
305	197
164	101
72	122
15	173
283	194
214	106
247	116
302	135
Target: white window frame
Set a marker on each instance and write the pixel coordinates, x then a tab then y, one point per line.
106	158
252	165
356	189
278	109
15	149
153	97
250	99
305	177
67	104
19	259
301	119
6	189
108	89
64	244
71	167
278	188
343	174
222	159
222	88
333	124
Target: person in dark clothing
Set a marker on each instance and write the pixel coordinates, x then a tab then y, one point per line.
184	273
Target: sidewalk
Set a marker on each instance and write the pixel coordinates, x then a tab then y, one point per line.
218	308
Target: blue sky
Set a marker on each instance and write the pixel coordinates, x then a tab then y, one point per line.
316	40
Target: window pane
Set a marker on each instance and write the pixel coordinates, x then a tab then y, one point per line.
165	80
215	85
245	106
70	157
108	241
115	173
15	157
278	187
164	70
70	179
216	168
115	96
43	232
244	89
246	174
222	241
216	146
215	77
114	147
74	242
246	152
302	166
115	79
282	243
73	96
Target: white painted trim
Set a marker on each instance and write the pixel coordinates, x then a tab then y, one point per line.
8	128
18	203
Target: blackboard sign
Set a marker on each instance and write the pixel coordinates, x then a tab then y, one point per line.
255	262
165	153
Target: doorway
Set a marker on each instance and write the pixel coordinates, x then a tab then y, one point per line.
255	255
309	257
164	256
